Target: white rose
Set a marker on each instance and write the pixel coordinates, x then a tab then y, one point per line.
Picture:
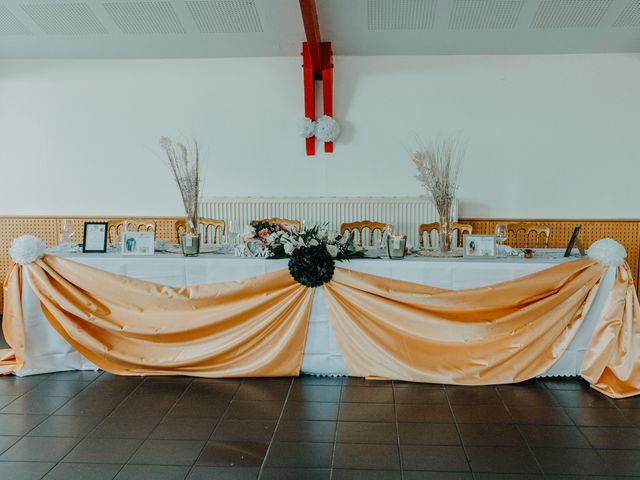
331	236
249	233
288	248
333	250
313	242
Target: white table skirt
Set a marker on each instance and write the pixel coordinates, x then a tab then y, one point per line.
46	351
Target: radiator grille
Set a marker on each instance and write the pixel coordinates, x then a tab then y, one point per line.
404	213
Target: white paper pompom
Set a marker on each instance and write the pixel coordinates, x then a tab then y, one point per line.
26	249
608	252
307	128
327	129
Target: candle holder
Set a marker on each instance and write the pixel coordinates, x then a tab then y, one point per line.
396	245
190	244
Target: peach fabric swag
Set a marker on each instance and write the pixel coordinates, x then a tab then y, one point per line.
385	328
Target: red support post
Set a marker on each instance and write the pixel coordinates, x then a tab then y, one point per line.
309	94
327	84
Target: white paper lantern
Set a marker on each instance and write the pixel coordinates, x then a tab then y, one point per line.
608	252
307	128
327	129
26	249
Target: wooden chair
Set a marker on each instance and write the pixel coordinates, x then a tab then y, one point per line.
360	227
116	227
208	228
528	235
293	224
458	228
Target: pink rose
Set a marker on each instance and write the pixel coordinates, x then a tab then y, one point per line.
264	233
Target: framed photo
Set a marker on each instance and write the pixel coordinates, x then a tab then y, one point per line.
575	241
95	237
138	243
480	246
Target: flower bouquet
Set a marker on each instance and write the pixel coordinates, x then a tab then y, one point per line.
312	253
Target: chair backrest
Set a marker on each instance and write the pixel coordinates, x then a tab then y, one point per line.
361	227
116	227
294	224
208	228
460	229
528	235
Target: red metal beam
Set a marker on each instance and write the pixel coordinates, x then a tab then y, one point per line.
312	31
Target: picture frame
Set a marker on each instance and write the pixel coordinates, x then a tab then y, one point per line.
479	246
95	237
138	243
575	241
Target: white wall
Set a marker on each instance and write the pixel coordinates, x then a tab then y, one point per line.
549	136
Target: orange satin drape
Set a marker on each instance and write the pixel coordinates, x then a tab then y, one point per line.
611	364
256	327
385	328
502	333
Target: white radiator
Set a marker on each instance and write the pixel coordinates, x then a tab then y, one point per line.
404	213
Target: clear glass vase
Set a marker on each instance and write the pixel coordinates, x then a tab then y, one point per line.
190	239
446	231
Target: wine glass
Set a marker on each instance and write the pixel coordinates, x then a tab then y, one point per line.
67	229
502	234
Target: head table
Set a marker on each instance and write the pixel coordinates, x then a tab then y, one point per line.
47	351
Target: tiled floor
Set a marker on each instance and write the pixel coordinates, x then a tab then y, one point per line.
94	426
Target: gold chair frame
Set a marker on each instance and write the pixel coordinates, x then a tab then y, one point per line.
541	234
461	228
361	226
294	224
116	227
205	225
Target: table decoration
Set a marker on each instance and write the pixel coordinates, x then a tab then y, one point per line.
438	167
186	173
95	237
432	253
483	246
499	333
396	245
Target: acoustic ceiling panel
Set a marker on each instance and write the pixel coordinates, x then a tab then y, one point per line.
630	15
401	14
484	14
65	18
9	23
143	18
225	16
570	13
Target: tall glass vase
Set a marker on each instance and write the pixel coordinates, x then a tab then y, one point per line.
446	232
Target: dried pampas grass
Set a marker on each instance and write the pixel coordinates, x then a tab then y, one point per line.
438	165
185	166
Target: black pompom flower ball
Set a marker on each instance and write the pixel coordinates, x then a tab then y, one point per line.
311	266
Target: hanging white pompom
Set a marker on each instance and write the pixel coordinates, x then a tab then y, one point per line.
307	128
608	252
26	249
327	129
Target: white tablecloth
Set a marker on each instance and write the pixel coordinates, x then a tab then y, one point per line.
46	351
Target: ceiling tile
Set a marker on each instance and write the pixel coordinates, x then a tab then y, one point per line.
144	17
570	13
65	18
401	14
9	23
484	14
225	16
630	16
